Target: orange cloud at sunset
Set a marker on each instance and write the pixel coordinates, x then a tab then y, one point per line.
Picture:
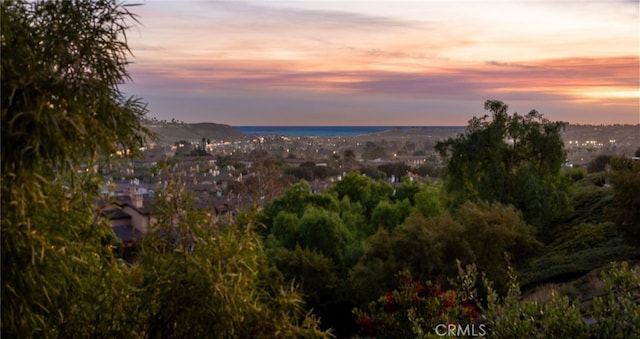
412	59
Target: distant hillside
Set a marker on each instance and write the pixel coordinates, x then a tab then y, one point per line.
169	132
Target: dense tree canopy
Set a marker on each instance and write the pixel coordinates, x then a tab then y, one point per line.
429	247
512	159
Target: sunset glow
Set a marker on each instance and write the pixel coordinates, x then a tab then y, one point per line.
380	63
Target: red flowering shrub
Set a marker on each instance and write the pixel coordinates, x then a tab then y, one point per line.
415	309
415	312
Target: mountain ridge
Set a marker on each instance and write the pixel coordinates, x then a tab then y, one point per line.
170	132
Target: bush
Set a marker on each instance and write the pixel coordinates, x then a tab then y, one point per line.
420	310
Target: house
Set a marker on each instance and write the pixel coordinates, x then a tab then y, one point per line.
129	214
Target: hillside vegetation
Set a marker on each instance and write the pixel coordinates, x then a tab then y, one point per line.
363	258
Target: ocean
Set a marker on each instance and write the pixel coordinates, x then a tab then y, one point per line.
321	131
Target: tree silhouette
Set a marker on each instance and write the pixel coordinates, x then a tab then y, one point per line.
512	159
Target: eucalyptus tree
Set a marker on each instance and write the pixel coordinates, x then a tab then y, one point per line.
512	159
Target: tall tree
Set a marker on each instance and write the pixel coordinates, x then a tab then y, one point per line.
512	159
62	63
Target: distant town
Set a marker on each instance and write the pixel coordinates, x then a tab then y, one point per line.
229	171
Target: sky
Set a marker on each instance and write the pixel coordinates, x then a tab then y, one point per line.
399	63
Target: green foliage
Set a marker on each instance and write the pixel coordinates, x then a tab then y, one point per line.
309	171
429	200
285	229
61	66
199	280
429	247
323	231
293	200
625	180
599	164
389	215
416	310
363	190
316	247
577	251
406	190
59	276
614	315
584	236
493	230
589	203
617	315
511	317
575	174
60	98
355	186
316	274
374	272
353	217
312	220
512	159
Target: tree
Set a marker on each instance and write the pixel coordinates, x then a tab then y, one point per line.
62	63
61	104
397	169
349	155
199	280
373	151
322	287
363	190
599	163
429	200
304	171
625	181
390	215
512	159
429	247
293	200
323	231
407	190
267	180
493	230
